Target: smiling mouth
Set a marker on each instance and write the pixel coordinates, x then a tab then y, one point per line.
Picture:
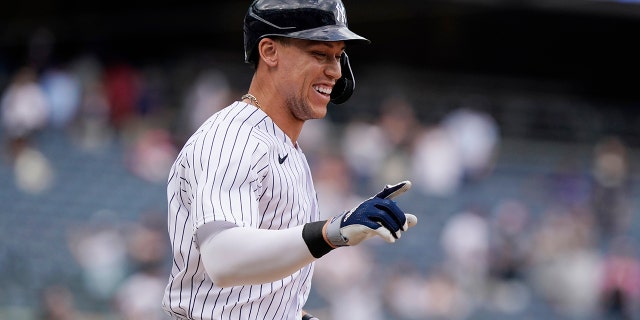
323	90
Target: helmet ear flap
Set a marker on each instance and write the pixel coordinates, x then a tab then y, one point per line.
343	89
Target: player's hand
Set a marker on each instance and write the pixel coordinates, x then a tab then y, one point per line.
378	215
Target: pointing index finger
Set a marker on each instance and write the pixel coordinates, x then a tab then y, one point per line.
392	191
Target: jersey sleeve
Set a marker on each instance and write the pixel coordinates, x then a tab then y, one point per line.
228	162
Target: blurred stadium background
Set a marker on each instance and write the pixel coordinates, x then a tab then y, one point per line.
517	121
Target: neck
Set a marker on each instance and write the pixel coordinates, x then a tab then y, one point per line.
277	111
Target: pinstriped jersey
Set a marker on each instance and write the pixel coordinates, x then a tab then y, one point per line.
238	167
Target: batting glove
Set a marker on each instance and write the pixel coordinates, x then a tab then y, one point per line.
378	215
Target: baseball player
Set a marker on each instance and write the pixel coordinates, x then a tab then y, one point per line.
242	209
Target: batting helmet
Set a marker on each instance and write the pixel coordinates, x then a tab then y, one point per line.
319	20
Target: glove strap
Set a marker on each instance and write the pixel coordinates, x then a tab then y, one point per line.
333	232
313	236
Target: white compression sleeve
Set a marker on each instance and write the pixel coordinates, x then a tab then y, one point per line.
241	256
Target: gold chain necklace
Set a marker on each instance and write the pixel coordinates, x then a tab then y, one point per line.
253	99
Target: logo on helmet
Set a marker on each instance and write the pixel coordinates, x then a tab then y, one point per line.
341	13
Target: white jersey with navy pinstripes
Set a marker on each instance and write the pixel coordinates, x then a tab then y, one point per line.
238	167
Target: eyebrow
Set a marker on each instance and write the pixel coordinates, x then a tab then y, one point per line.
328	44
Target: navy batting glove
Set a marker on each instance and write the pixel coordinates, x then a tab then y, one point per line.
378	215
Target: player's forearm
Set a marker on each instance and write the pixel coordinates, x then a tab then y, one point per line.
240	256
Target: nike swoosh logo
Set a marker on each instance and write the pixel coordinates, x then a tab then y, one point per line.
282	159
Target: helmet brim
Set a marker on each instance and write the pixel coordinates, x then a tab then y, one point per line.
325	33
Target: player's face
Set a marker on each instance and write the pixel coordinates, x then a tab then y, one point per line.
310	70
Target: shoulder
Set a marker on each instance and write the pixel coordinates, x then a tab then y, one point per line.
238	114
237	119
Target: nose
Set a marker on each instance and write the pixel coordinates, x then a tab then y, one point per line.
334	69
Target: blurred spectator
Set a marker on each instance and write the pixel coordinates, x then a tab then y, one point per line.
122	85
620	295
33	171
365	148
138	296
410	295
63	91
58	303
436	166
509	240
398	124
405	292
611	199
445	299
465	240
509	244
565	267
346	279
569	184
398	120
151	155
100	249
148	243
475	135
92	130
25	110
333	186
153	100
87	69
207	93
463	145
318	140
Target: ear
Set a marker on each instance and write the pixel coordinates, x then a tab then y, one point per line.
268	51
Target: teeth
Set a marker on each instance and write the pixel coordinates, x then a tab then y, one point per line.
324	90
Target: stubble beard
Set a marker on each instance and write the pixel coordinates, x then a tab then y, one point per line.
302	110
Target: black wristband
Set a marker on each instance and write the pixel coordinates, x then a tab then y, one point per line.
313	237
308	317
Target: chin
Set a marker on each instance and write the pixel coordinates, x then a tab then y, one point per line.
321	113
317	111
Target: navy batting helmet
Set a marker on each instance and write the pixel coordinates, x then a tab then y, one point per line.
319	20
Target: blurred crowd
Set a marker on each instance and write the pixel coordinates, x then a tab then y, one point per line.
566	248
570	246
